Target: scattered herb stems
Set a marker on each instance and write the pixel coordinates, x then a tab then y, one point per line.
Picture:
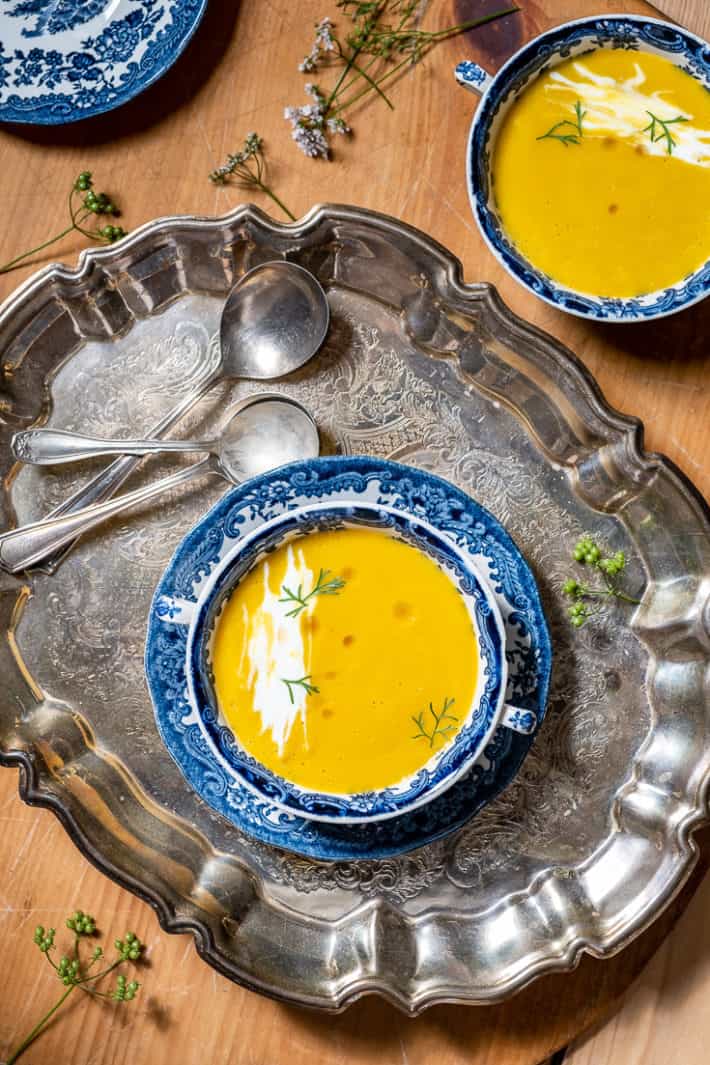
389	47
325	585
83	204
76	972
440	726
663	130
567	138
588	553
301	682
248	168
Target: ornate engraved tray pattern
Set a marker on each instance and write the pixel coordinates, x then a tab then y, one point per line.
591	839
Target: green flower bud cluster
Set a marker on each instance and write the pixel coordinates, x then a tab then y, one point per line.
588	553
613	566
99	203
44	939
69	970
130	947
112	233
125	992
81	923
83	183
578	614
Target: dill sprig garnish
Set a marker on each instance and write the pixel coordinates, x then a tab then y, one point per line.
567	138
301	682
325	585
440	728
659	134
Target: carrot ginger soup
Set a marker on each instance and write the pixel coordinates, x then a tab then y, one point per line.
601	173
344	660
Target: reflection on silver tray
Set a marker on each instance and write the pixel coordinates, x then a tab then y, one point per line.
590	840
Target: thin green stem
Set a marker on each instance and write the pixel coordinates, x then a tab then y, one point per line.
431	39
343	74
368	66
99	976
274	197
37	1030
33	251
358	95
375	58
373	84
626	598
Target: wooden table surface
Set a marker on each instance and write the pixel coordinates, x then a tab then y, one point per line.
154	155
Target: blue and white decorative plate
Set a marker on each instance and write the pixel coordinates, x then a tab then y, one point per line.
477	535
499	92
63	60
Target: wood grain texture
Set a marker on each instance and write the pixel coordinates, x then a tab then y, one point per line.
155	154
663	1021
693	14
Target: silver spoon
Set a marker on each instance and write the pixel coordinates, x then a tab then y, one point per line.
54	447
274	320
263	432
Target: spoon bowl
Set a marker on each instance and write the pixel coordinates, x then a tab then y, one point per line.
274	320
267	432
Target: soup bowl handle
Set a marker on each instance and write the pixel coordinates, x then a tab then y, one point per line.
519	720
472	77
174	611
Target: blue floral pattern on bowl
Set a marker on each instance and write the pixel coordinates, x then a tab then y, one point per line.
54	16
243	510
64	61
630	32
447	764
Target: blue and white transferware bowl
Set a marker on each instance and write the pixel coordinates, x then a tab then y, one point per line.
460	520
446	765
499	92
62	60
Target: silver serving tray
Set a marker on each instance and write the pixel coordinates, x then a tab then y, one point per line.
594	836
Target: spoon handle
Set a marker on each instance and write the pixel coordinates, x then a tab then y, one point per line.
25	546
109	480
50	447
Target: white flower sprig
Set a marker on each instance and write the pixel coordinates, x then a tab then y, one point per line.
248	168
310	124
372	54
323	43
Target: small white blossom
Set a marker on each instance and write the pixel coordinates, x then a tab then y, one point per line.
324	35
337	125
308	126
309	63
323	43
311	141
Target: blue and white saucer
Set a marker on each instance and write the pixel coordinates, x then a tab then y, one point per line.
348	479
62	60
